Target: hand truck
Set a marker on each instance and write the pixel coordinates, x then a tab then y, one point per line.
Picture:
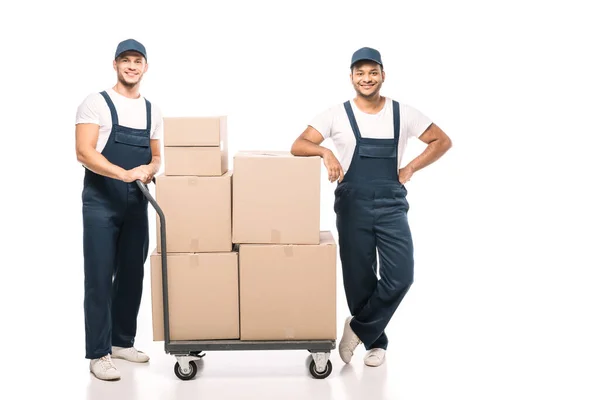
187	352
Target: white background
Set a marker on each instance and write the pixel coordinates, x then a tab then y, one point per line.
505	302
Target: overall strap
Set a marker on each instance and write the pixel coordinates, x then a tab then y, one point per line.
148	115
352	119
396	107
113	111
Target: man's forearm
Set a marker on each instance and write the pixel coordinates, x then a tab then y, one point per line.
432	153
96	162
155	164
303	147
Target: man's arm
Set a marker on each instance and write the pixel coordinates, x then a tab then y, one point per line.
86	138
438	143
309	144
156	158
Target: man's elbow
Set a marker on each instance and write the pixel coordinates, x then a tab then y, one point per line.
295	148
443	142
447	143
82	155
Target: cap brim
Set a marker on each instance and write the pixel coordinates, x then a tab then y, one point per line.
135	50
366	59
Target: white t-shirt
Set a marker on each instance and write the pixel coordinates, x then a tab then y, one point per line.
334	123
130	112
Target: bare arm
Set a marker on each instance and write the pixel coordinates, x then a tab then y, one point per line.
155	163
438	143
86	138
309	144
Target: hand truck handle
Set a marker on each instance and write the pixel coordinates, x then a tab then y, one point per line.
163	249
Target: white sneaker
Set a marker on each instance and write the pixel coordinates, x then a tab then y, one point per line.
348	343
129	354
103	368
374	357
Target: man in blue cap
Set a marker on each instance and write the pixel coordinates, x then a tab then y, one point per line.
370	133
118	136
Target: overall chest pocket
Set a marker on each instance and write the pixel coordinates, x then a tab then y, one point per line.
377	151
132	137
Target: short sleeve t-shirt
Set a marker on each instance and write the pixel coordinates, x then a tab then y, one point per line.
334	123
131	113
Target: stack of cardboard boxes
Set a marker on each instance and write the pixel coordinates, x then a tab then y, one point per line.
246	259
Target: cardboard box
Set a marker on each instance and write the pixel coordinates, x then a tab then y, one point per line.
288	292
195	131
276	198
197	213
196	161
203	296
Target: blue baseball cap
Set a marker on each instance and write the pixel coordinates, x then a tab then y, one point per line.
366	53
130	45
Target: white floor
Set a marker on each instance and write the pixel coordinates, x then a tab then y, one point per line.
250	375
445	343
502	308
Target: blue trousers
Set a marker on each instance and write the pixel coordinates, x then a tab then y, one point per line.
116	240
372	220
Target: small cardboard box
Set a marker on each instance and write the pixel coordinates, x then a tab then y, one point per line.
276	198
197	213
196	161
195	131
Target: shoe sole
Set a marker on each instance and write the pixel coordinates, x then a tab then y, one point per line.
127	359
374	364
105	379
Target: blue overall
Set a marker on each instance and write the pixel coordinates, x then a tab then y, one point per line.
115	241
371	215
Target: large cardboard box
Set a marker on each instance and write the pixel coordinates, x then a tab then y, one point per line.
196	161
195	131
276	198
197	213
203	296
288	292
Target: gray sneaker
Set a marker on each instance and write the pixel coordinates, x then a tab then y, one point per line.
130	354
103	368
348	343
374	357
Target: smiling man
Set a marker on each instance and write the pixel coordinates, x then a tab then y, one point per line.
370	133
118	136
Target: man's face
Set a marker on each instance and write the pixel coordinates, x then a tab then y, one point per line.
367	78
130	67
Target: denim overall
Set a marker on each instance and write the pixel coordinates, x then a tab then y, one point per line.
371	215
115	241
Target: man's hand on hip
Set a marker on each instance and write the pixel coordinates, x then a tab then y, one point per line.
404	174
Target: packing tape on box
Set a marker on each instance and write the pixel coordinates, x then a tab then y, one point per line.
195	245
288	251
192	181
194	260
275	236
